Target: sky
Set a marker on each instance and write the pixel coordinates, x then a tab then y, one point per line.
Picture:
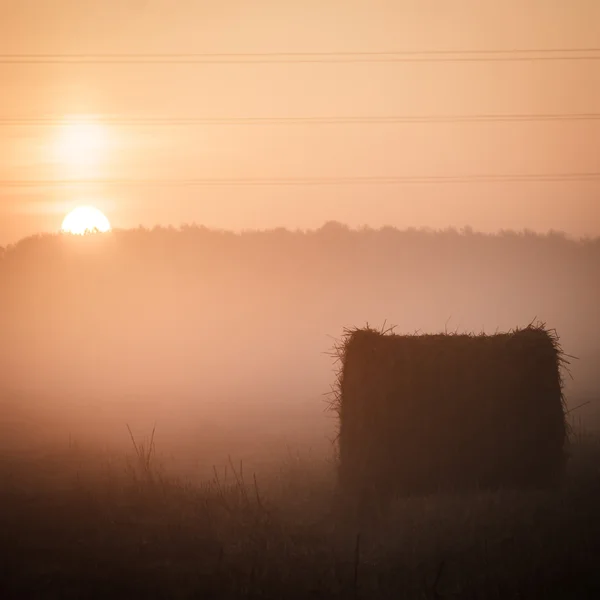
48	168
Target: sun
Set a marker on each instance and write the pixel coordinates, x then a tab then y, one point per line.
85	219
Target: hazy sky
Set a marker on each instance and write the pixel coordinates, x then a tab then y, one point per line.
89	93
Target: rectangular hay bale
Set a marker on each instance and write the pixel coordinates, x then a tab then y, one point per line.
420	413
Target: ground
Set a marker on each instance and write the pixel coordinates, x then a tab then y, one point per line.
80	521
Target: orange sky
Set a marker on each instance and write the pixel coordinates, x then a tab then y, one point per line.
36	152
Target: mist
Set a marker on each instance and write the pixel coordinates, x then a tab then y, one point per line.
180	328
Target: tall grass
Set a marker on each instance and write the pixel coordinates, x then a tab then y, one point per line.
128	529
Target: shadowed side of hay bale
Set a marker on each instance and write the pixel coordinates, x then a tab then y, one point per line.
427	412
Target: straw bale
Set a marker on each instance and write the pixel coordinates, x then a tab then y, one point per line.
420	413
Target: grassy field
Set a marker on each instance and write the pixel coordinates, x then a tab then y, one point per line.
82	522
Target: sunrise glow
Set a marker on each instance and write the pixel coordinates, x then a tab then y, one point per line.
81	146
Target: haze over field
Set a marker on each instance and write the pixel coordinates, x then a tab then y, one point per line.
203	314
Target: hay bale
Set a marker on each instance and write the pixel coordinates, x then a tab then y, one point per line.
420	413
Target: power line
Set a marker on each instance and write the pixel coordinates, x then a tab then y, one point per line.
553	54
309	181
323	120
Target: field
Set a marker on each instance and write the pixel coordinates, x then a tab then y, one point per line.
219	343
145	517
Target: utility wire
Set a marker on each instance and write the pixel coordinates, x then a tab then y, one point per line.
554	54
308	181
175	121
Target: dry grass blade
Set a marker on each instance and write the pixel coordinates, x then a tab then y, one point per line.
144	454
135	447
